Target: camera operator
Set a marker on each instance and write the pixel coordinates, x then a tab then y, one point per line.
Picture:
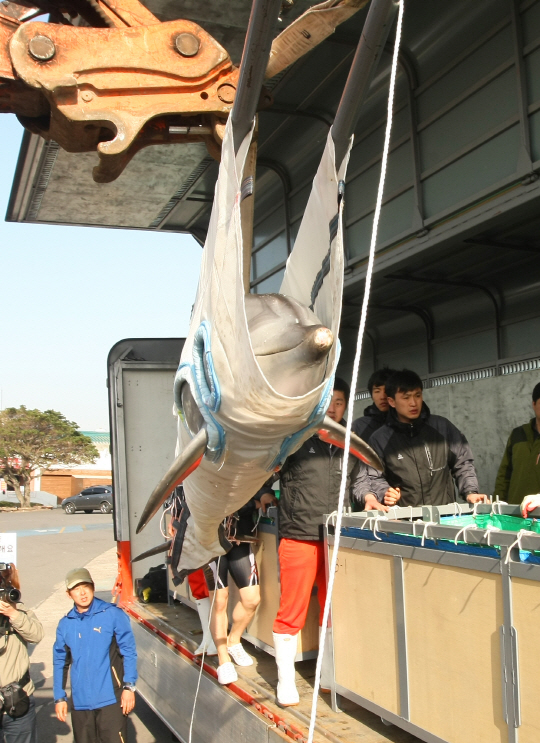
18	627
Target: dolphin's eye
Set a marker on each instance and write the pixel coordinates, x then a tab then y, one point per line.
189	410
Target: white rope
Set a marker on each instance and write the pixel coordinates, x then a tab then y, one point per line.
371	523
202	656
356	366
411	516
162	519
498	503
517	543
427	524
464	532
331	516
489	531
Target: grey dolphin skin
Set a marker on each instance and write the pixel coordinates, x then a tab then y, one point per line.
291	347
185	463
289	343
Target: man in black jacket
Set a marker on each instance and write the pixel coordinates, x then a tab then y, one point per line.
309	483
375	414
423	454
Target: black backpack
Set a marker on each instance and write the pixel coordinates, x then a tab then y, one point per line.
152	588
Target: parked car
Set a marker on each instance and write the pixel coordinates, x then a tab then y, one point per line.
96	498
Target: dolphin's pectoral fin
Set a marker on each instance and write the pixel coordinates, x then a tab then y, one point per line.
154	551
334	433
184	464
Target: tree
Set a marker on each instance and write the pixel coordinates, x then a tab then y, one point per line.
31	440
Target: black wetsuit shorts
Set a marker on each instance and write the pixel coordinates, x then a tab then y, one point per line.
239	562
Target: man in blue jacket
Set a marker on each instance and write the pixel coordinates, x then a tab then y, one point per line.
96	640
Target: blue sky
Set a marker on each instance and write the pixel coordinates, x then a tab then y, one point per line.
67	294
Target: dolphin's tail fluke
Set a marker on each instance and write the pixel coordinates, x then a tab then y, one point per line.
334	433
184	464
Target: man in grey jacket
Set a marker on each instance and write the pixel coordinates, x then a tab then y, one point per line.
375	414
423	454
19	627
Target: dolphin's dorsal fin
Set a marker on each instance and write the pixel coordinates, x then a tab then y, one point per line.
334	433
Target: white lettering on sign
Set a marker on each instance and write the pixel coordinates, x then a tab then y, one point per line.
8	547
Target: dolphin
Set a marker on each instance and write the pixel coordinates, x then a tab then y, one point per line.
256	373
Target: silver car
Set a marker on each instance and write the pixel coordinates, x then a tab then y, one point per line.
95	498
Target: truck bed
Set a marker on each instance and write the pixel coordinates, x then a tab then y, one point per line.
164	631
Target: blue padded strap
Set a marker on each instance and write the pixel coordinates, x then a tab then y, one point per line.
204	385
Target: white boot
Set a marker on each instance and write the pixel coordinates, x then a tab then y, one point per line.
326	668
285	646
203	607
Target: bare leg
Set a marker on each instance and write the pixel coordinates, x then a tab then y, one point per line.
219	623
244	610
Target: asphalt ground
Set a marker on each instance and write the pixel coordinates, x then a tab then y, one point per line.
45	553
50	543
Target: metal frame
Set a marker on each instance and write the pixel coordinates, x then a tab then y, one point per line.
160	667
116	364
116	403
259	36
460	284
368	53
401	637
524	167
426	522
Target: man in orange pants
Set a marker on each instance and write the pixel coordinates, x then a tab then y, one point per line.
310	480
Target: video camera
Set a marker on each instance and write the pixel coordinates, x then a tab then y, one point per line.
8	592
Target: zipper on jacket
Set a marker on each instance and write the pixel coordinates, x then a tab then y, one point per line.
116	676
430	461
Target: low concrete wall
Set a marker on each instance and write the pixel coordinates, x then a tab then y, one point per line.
486	411
36	496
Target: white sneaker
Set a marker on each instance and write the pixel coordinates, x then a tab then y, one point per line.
239	655
226	673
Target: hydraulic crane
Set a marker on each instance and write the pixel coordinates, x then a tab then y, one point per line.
109	76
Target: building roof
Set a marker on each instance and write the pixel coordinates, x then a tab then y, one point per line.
98	437
456	274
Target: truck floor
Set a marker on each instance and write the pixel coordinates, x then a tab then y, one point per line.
352	724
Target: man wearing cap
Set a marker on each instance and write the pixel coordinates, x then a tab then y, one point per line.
95	638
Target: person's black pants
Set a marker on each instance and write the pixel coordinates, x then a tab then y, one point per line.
103	725
19	729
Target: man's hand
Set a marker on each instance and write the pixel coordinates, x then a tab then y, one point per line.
266	500
529	503
372	504
61	711
9	610
127	701
477	498
392	496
